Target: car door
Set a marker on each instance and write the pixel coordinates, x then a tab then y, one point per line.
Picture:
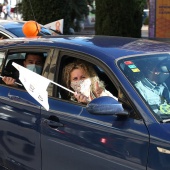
72	138
19	125
19	129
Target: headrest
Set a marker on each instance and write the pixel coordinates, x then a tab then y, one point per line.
10	70
9	65
164	69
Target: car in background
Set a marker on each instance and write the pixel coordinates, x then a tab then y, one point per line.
130	133
12	29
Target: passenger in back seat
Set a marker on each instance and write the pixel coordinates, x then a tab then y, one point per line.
33	61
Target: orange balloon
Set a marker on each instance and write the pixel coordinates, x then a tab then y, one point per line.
31	29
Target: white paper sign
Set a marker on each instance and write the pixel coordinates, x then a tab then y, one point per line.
56	25
35	84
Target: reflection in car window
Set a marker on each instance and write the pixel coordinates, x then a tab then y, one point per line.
150	77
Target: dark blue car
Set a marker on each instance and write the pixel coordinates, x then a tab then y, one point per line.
13	29
99	135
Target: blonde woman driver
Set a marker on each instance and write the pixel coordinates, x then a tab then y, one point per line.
81	77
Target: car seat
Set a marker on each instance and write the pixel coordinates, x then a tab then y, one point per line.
10	70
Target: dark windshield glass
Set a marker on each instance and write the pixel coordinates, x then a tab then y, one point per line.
18	31
45	31
149	75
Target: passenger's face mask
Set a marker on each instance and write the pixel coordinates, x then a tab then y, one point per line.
35	68
82	86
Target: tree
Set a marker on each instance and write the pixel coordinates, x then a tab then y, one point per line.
119	17
147	3
44	11
79	10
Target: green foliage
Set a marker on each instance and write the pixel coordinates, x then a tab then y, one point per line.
47	11
91	4
119	17
19	7
79	10
146	21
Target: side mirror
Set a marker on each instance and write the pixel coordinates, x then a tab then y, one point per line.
106	105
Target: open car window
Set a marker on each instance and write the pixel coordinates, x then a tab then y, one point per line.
19	58
103	77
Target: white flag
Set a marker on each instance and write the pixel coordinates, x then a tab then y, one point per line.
56	25
35	84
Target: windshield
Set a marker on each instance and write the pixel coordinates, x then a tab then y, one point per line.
150	76
45	31
17	31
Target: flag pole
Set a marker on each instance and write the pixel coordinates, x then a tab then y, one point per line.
14	82
51	82
63	87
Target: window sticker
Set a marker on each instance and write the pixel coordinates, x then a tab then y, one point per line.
135	70
132	66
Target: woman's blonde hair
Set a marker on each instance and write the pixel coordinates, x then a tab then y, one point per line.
87	67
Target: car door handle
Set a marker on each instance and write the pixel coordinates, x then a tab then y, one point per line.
54	124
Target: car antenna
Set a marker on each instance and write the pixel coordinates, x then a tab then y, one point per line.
34	16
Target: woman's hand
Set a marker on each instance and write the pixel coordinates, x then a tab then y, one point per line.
98	90
9	81
81	98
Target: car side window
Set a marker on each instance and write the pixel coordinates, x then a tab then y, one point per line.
35	59
3	36
100	83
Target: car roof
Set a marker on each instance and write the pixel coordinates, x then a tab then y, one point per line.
114	47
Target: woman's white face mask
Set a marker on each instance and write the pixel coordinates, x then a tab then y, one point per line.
82	86
35	68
